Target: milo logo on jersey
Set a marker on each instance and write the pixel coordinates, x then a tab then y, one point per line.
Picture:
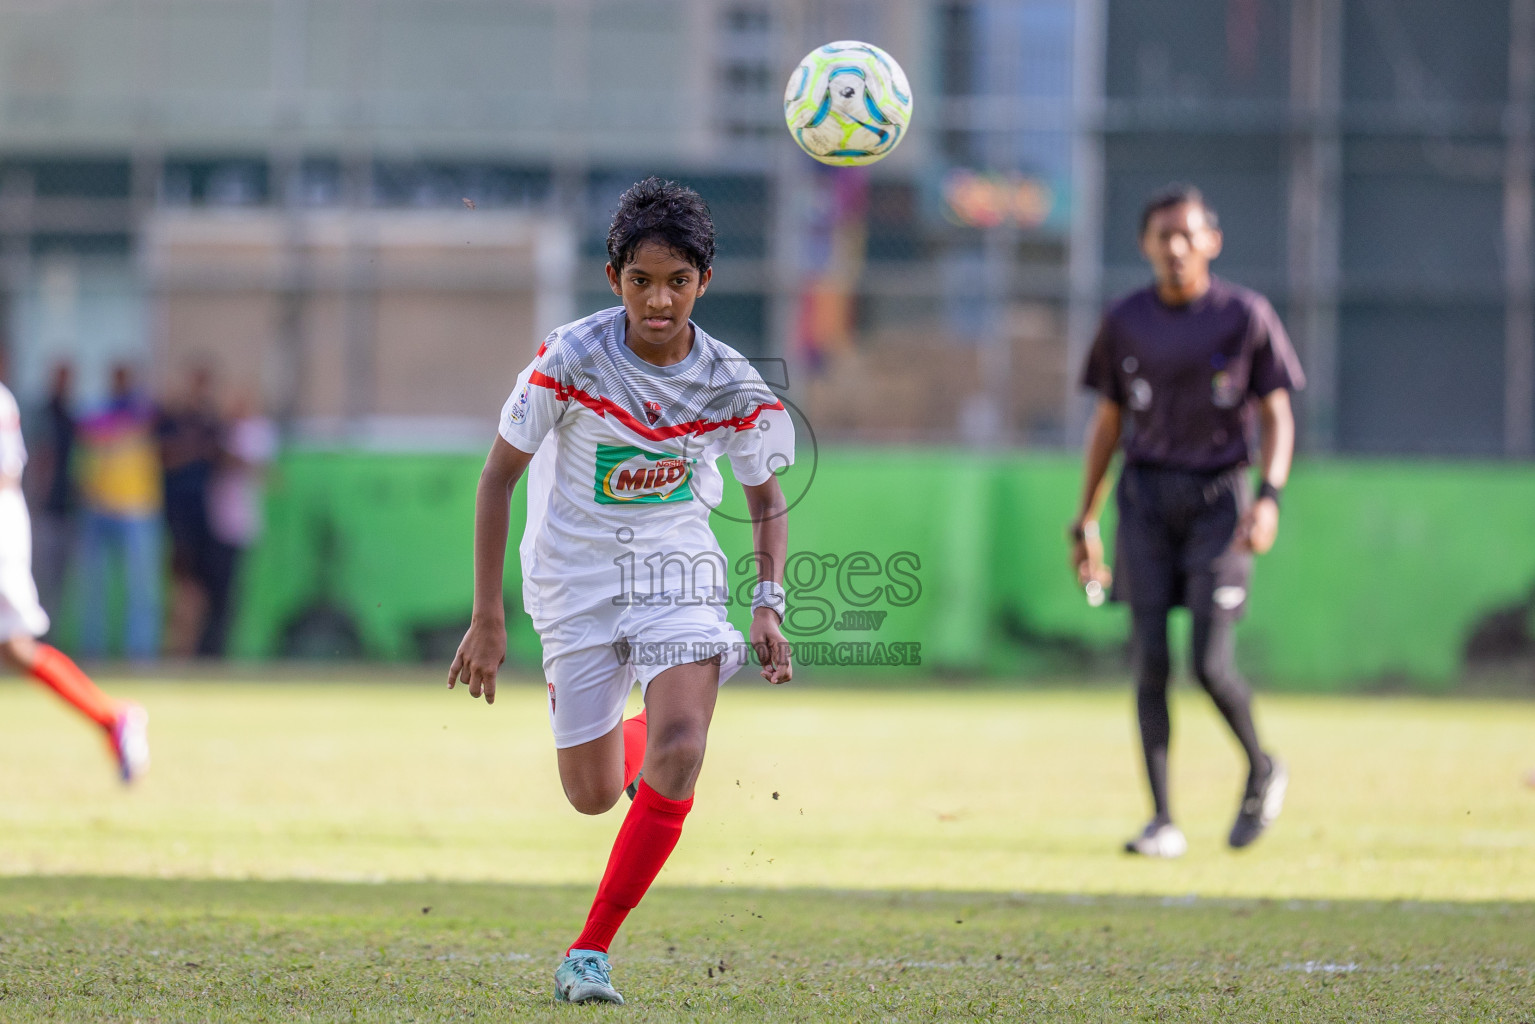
628	475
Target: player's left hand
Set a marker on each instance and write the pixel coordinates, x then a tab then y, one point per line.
1260	525
771	648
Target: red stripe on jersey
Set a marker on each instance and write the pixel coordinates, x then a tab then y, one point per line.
607	407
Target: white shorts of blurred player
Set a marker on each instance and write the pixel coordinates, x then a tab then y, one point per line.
20	612
593	659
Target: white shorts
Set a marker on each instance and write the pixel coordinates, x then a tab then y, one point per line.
19	611
593	659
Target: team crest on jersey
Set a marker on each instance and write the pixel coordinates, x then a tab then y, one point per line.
627	475
652	412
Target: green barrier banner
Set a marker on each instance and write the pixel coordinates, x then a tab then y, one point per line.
927	561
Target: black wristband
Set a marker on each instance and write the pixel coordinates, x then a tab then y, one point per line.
1268	490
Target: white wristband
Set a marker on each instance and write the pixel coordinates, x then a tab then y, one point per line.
769	595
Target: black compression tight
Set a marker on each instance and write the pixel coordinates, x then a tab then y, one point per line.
1215	668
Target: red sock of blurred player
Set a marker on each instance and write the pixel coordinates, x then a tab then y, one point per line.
646	838
635	730
54	669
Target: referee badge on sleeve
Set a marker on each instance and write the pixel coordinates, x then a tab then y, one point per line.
1140	394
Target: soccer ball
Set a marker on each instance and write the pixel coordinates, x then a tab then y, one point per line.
847	103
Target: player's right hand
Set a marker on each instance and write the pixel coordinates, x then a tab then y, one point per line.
1259	526
480	655
1089	570
1087	557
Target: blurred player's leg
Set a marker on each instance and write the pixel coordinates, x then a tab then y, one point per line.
1215	667
1214	637
54	669
125	723
1153	664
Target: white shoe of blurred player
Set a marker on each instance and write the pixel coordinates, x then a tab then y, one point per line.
130	741
1159	840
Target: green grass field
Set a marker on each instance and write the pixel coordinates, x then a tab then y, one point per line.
907	854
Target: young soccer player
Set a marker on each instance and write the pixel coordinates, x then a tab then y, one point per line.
619	421
22	618
1188	365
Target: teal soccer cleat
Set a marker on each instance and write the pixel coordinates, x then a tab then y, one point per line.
583	977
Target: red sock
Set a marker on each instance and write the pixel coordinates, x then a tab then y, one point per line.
634	747
646	838
64	678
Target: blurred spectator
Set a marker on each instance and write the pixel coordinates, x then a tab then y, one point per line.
189	429
234	511
52	488
121	491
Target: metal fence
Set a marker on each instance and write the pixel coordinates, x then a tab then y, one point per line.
1371	161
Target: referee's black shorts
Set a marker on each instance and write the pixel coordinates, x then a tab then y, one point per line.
1175	544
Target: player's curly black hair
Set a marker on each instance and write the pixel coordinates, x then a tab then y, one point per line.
655	210
1177	194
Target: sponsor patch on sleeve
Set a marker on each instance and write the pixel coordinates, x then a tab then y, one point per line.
519	410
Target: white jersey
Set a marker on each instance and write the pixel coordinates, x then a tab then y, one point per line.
19	611
13	459
13	453
624	475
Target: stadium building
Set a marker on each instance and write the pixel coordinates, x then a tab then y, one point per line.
361	203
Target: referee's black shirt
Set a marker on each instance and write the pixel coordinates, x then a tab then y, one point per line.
1184	374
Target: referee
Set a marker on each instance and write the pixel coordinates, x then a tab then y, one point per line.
1182	370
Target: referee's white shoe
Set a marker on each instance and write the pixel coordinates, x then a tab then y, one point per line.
1159	839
